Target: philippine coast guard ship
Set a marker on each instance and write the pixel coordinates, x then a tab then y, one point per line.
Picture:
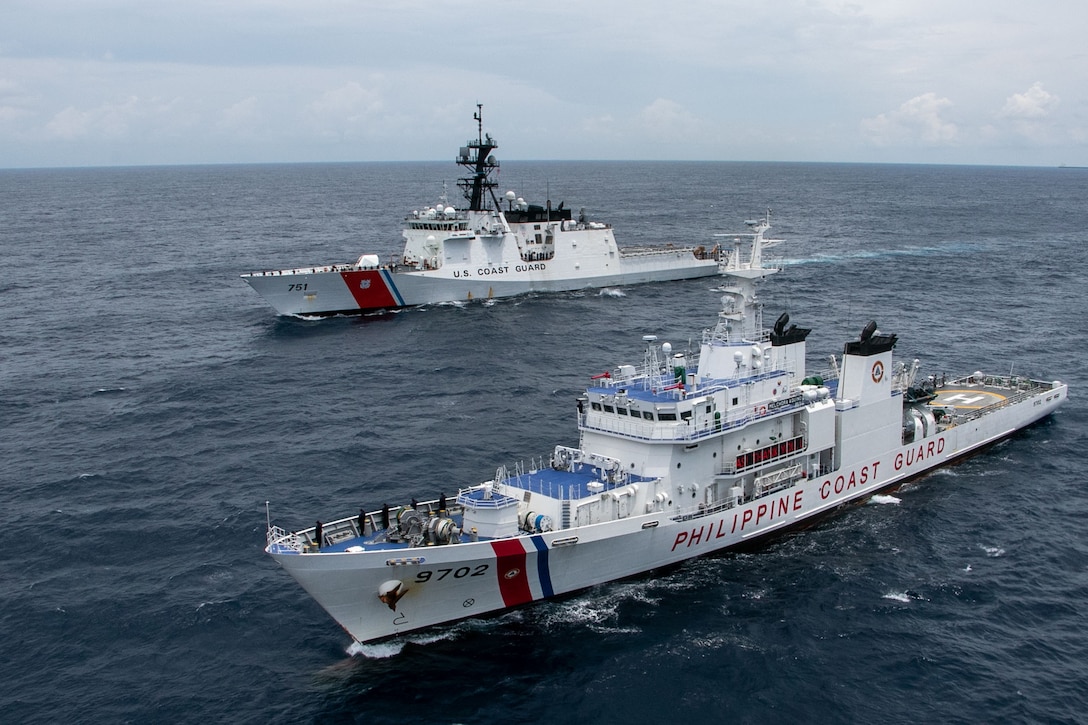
678	456
494	248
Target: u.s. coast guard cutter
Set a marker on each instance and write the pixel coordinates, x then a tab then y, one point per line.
678	456
494	248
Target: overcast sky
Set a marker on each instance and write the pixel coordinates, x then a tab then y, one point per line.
103	82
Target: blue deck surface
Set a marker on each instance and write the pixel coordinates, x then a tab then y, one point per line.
567	484
367	543
638	393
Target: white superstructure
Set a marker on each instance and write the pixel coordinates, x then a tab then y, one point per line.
495	247
679	455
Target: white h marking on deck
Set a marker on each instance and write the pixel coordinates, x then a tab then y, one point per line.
963	399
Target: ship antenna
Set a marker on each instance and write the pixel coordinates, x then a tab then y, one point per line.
476	158
267	515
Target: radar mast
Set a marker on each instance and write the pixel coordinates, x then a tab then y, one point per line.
477	159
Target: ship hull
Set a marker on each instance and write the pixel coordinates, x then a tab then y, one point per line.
437	585
342	289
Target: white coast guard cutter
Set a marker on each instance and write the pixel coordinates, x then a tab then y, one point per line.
494	248
678	456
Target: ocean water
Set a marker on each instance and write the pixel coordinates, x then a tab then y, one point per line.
152	405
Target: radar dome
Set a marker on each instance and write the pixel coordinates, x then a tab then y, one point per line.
510	196
666	347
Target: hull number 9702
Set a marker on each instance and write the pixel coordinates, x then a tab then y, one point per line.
426	575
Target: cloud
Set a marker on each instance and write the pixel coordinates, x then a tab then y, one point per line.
276	80
15	102
669	118
241	116
11	113
344	109
350	101
108	121
916	122
1034	103
1029	116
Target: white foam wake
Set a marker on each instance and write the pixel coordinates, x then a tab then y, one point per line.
393	647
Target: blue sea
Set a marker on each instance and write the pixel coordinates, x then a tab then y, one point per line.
152	404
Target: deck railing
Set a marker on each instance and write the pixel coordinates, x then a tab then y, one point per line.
1025	387
281	540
